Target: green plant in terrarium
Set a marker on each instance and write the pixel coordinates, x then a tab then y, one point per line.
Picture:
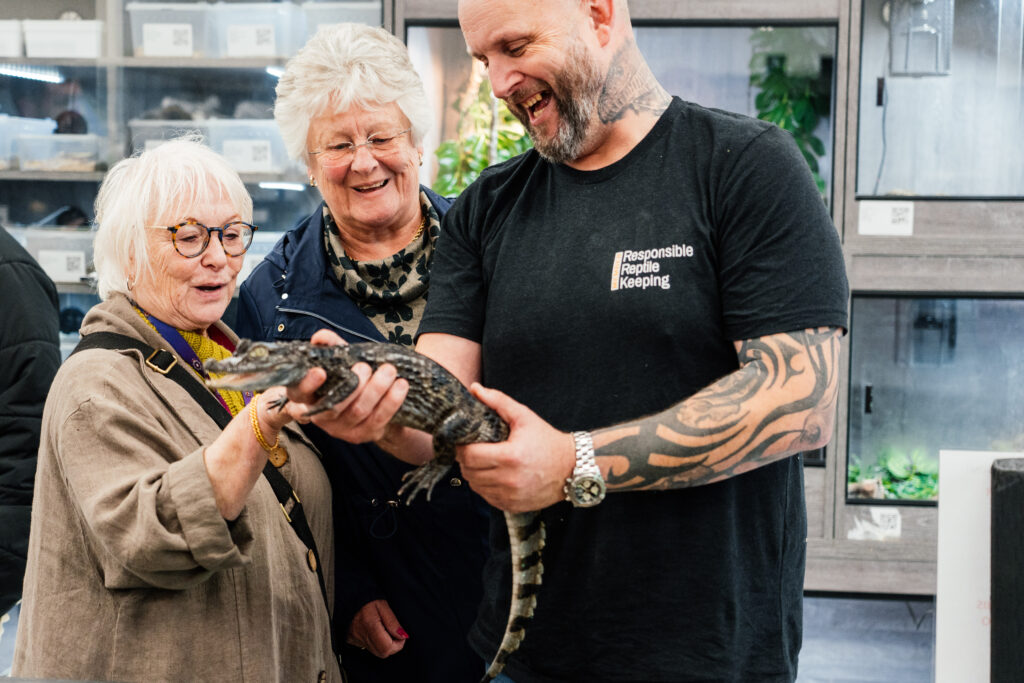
901	475
486	134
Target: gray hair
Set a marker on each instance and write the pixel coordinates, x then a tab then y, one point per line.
161	185
344	65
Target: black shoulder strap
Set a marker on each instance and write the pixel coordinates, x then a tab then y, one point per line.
164	362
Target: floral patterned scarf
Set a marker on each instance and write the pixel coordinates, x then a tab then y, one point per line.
391	292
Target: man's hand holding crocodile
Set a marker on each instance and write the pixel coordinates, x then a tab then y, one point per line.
525	472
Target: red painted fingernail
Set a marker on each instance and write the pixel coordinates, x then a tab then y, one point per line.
401	632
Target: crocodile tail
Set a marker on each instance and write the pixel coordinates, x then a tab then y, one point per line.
526	540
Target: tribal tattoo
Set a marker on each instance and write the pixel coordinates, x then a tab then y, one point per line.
630	86
779	402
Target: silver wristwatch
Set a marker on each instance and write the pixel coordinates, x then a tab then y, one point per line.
585	488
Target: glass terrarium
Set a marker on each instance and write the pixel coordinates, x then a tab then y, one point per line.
929	374
941	112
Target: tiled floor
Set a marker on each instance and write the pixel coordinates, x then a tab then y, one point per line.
853	640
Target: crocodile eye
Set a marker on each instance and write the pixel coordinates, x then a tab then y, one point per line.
259	352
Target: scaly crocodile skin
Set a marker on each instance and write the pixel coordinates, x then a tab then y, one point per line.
437	403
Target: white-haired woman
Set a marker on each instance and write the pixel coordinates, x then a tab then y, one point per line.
352	108
159	549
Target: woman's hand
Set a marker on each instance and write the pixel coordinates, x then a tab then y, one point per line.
375	628
272	420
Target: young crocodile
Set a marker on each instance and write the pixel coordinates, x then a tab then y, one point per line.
437	403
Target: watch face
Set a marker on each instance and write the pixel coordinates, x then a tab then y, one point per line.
588	491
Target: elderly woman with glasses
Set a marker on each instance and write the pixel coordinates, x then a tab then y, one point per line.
178	533
351	107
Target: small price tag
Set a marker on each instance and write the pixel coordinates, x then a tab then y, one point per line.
167	40
880	524
249	156
883	217
251	40
62	266
888	521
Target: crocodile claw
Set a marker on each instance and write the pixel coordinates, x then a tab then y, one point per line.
423	478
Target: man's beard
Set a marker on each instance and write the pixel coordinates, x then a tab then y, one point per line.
574	94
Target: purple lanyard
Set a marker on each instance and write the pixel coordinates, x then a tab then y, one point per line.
183	349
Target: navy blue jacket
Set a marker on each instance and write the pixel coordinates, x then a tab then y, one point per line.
425	559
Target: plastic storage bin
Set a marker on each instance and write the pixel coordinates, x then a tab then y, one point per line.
147	133
249	145
13	126
64	253
256	29
169	29
57	152
74	39
10	38
321	13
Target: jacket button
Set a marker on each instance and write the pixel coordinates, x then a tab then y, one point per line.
322	678
455	481
285	295
280	328
311	559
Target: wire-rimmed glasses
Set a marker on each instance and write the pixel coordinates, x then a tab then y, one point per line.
342	153
191	237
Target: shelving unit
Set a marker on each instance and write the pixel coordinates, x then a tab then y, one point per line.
117	87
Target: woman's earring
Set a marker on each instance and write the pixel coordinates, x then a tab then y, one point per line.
312	181
421	160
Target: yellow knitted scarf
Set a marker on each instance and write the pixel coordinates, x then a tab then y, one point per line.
206	348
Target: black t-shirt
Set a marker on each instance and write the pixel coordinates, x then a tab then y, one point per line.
607	295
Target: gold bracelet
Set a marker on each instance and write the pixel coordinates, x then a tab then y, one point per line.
277	455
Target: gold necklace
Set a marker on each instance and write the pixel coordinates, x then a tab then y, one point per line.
419	230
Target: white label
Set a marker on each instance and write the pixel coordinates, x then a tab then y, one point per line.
62	266
167	40
249	156
963	610
885	218
251	40
880	524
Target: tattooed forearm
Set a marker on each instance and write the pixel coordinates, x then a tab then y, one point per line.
780	401
630	86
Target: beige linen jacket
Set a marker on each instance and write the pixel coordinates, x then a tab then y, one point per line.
132	573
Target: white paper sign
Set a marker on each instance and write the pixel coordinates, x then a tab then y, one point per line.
963	610
62	266
883	217
167	40
251	40
249	156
